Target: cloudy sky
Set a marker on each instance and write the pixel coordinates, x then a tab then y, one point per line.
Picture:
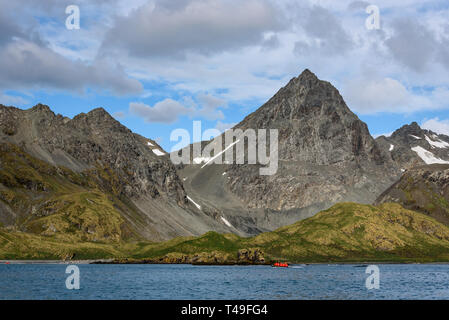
158	65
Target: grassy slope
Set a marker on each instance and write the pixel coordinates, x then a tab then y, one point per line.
424	196
346	232
59	212
355	232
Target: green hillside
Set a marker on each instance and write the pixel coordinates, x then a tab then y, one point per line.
347	232
39	199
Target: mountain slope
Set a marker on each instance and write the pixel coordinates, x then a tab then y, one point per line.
424	189
346	232
326	155
411	146
90	173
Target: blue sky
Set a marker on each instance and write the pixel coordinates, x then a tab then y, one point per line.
159	65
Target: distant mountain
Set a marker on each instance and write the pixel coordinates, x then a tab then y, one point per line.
326	155
424	189
90	178
411	146
88	187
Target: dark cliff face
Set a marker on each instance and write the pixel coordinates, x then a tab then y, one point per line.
106	158
94	141
411	146
326	153
424	189
314	122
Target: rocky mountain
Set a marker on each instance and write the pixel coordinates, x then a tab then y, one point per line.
90	177
411	146
326	155
424	189
88	188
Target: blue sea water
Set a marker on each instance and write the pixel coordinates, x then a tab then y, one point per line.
47	281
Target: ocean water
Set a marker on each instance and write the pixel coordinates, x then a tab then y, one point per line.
48	281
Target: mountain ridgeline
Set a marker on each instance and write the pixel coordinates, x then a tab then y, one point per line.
326	155
51	164
88	187
411	146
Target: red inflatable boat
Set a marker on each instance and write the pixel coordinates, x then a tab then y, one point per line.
280	265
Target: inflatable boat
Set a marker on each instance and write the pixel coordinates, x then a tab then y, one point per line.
280	265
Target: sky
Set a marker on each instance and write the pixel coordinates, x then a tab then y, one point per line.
159	65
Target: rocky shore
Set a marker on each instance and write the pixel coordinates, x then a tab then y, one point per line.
243	257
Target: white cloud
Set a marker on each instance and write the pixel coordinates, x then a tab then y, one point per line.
245	50
325	32
205	26
9	100
221	126
437	125
27	65
370	96
166	111
169	110
209	105
410	34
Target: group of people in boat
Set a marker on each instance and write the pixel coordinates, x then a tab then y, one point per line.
280	264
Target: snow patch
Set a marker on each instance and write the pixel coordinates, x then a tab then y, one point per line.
224	173
391	147
226	222
220	153
411	135
150	144
200	160
428	157
158	152
196	204
438	143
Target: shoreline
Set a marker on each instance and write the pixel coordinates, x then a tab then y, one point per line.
110	261
92	261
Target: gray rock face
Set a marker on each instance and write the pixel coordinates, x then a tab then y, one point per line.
154	201
325	152
94	141
326	155
411	146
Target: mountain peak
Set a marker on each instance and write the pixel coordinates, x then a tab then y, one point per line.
409	129
97	115
306	78
414	125
98	110
307	74
40	108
